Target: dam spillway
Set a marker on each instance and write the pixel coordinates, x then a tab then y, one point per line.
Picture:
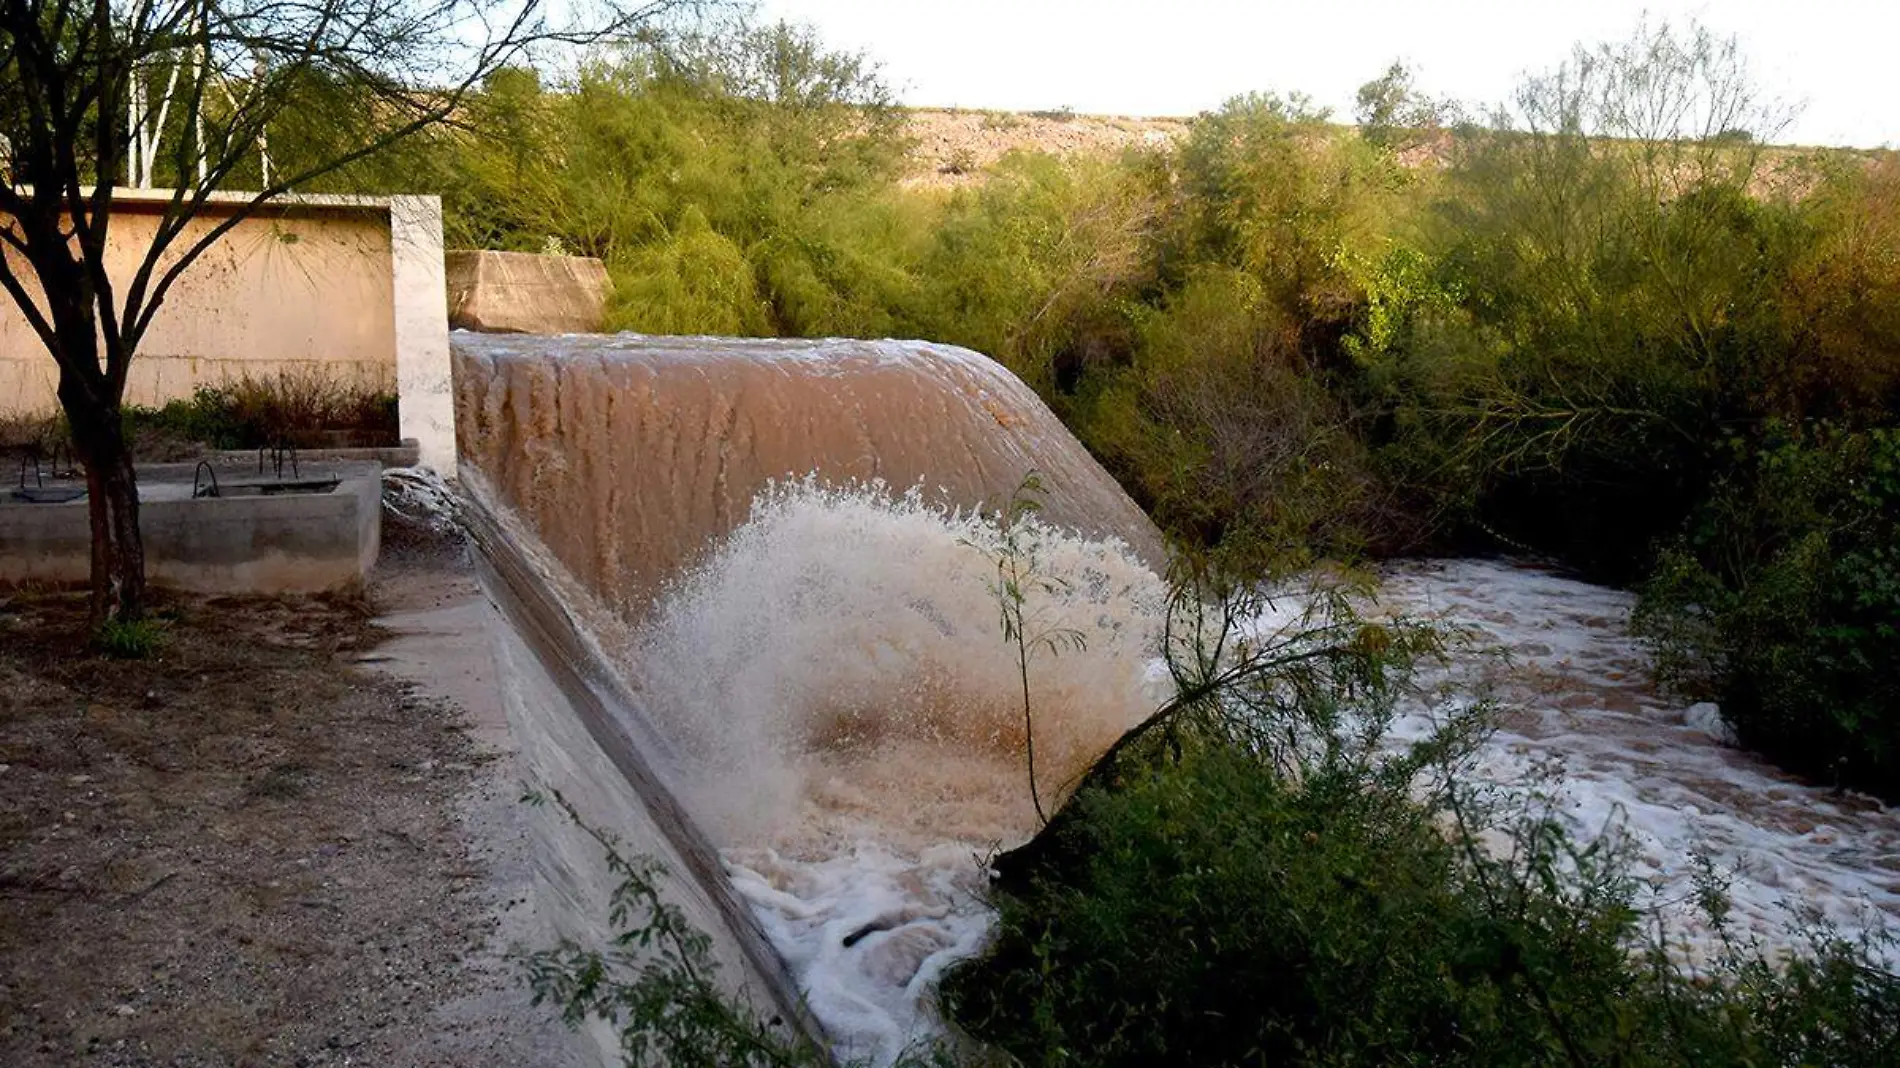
803	706
631	455
752	631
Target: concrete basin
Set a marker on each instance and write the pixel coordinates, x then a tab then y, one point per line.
319	530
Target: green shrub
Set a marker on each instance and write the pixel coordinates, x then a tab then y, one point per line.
1042	266
1218	425
657	986
1783	604
305	409
1219	914
1253	877
693	282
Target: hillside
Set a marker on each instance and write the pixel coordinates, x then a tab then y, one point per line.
952	146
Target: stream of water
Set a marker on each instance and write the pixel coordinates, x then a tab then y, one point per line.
824	685
863	856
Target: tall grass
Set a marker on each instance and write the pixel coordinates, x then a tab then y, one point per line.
306	409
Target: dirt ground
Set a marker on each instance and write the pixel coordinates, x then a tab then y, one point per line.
263	845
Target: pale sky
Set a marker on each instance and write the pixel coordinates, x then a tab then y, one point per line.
1834	58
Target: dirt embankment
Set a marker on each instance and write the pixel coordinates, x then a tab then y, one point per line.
254	847
952	147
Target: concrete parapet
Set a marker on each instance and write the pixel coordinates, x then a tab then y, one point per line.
526	293
243	541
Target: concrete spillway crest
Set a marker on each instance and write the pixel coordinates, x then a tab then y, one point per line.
631	455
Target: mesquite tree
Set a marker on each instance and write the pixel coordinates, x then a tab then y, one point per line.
100	93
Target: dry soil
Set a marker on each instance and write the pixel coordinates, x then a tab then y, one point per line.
274	841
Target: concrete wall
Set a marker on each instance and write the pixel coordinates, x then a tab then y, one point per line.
294	543
425	387
579	731
348	288
526	293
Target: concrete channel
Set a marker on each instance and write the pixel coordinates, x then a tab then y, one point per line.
576	725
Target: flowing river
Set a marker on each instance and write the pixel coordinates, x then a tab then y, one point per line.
847	666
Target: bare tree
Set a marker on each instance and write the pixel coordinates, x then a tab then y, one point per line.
90	90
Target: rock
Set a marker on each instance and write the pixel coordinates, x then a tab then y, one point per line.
1707	718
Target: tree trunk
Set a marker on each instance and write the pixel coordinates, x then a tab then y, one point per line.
118	553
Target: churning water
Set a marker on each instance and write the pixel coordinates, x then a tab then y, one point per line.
825	678
837	684
839	662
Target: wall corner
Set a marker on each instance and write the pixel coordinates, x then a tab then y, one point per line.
424	386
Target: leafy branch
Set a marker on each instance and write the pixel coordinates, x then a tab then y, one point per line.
656	984
1018	575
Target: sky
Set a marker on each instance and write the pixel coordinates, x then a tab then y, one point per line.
1833	59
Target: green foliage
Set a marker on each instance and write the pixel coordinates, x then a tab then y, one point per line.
1256	876
1623	295
129	639
305	410
729	178
1390	109
692	281
1019	576
657	985
1219	424
1783	604
1042	265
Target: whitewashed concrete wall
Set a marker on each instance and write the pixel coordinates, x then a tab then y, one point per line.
419	295
346	288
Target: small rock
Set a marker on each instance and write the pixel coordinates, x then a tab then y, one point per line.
1707	718
125	1010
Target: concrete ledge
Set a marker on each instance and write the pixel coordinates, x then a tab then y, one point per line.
407	454
289	543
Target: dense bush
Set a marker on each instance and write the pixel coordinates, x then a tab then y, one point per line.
1219	914
1259	879
1782	602
734	182
309	410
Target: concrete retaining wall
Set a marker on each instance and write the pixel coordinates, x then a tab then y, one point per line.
293	543
576	726
525	293
349	289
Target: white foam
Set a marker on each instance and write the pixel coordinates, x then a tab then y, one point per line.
908	916
845	717
1580	699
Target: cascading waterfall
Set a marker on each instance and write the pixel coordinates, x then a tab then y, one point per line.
823	678
847	719
839	658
